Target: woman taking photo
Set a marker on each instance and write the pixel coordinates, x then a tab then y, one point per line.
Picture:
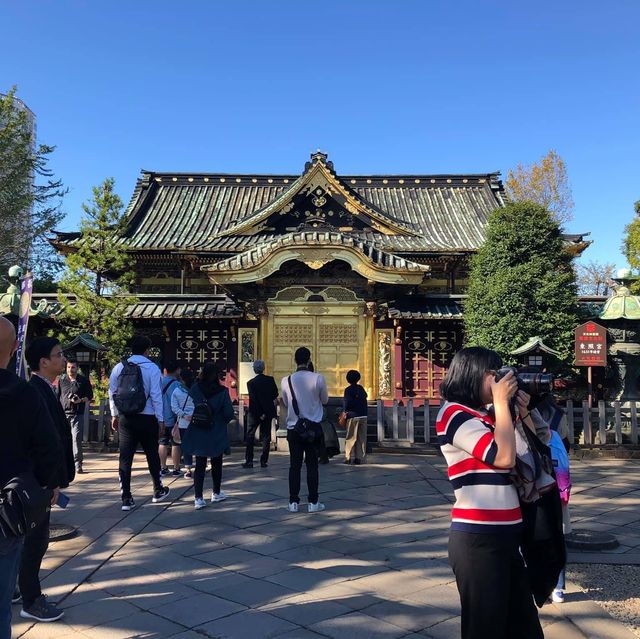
206	437
477	437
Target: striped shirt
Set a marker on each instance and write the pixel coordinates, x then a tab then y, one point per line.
486	499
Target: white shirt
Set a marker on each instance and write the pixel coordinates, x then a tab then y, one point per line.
152	381
182	405
311	393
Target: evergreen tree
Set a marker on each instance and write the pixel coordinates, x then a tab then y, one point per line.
631	244
98	274
522	284
30	198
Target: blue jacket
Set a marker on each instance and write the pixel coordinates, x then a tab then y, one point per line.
214	441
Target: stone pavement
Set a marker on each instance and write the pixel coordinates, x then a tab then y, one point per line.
373	565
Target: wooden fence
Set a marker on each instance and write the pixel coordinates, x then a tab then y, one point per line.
607	424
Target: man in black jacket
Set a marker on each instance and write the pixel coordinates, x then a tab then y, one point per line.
263	396
46	361
30	443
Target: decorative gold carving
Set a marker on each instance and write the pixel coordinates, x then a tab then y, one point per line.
316	264
384	363
293	334
315	310
248	340
339	333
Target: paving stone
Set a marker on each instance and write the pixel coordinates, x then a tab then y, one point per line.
302	579
247	624
197	609
408	615
141	625
256	594
357	625
306	613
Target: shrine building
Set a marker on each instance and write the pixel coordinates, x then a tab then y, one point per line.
368	271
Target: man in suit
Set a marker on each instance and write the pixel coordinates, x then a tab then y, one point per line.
46	361
263	398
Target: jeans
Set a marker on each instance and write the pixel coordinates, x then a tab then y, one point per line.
134	430
10	551
265	438
201	468
299	451
494	591
561	585
77	434
35	546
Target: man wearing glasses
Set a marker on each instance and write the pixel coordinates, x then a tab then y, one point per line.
46	361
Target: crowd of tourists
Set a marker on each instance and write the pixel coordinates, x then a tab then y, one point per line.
492	437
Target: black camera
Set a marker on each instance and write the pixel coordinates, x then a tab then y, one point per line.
535	384
73	397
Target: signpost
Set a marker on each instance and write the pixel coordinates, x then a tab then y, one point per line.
590	349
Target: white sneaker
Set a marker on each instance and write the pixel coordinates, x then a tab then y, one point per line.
199	503
293	507
557	596
215	497
316	508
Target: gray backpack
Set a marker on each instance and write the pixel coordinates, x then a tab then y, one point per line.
129	397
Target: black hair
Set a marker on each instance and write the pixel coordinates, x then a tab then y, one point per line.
465	377
39	348
186	375
140	344
71	360
171	366
210	374
353	377
310	367
302	356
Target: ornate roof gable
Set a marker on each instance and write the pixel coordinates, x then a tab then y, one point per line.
318	199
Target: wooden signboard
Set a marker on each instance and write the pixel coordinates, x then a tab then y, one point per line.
591	345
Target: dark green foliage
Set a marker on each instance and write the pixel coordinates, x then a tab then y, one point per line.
522	284
631	244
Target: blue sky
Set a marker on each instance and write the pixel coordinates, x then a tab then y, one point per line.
383	87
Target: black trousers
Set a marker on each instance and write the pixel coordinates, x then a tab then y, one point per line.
265	438
134	430
35	546
199	473
494	592
299	451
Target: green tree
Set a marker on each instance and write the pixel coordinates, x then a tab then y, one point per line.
98	275
522	284
545	183
30	198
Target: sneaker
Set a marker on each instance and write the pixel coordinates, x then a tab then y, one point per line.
216	497
42	610
79	470
557	596
264	465
16	597
164	472
199	503
160	494
316	508
176	473
247	465
128	503
188	475
293	507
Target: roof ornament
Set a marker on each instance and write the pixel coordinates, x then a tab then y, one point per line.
319	158
623	304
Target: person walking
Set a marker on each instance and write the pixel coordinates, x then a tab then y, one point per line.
46	360
182	406
171	434
478	440
309	390
263	398
206	437
30	443
75	393
143	426
355	406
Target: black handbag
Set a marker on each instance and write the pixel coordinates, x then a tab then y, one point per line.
308	431
24	504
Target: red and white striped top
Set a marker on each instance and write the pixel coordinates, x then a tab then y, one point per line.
486	499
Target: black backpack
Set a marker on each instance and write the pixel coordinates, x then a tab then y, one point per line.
130	397
202	417
23	505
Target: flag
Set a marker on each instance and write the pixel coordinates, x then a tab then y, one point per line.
23	321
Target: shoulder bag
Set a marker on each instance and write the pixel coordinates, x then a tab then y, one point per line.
308	431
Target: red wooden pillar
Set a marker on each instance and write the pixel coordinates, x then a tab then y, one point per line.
398	385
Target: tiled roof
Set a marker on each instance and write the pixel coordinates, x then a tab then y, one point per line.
426	308
258	253
183	307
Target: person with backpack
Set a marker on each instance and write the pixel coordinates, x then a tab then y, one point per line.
171	435
135	399
30	447
206	437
